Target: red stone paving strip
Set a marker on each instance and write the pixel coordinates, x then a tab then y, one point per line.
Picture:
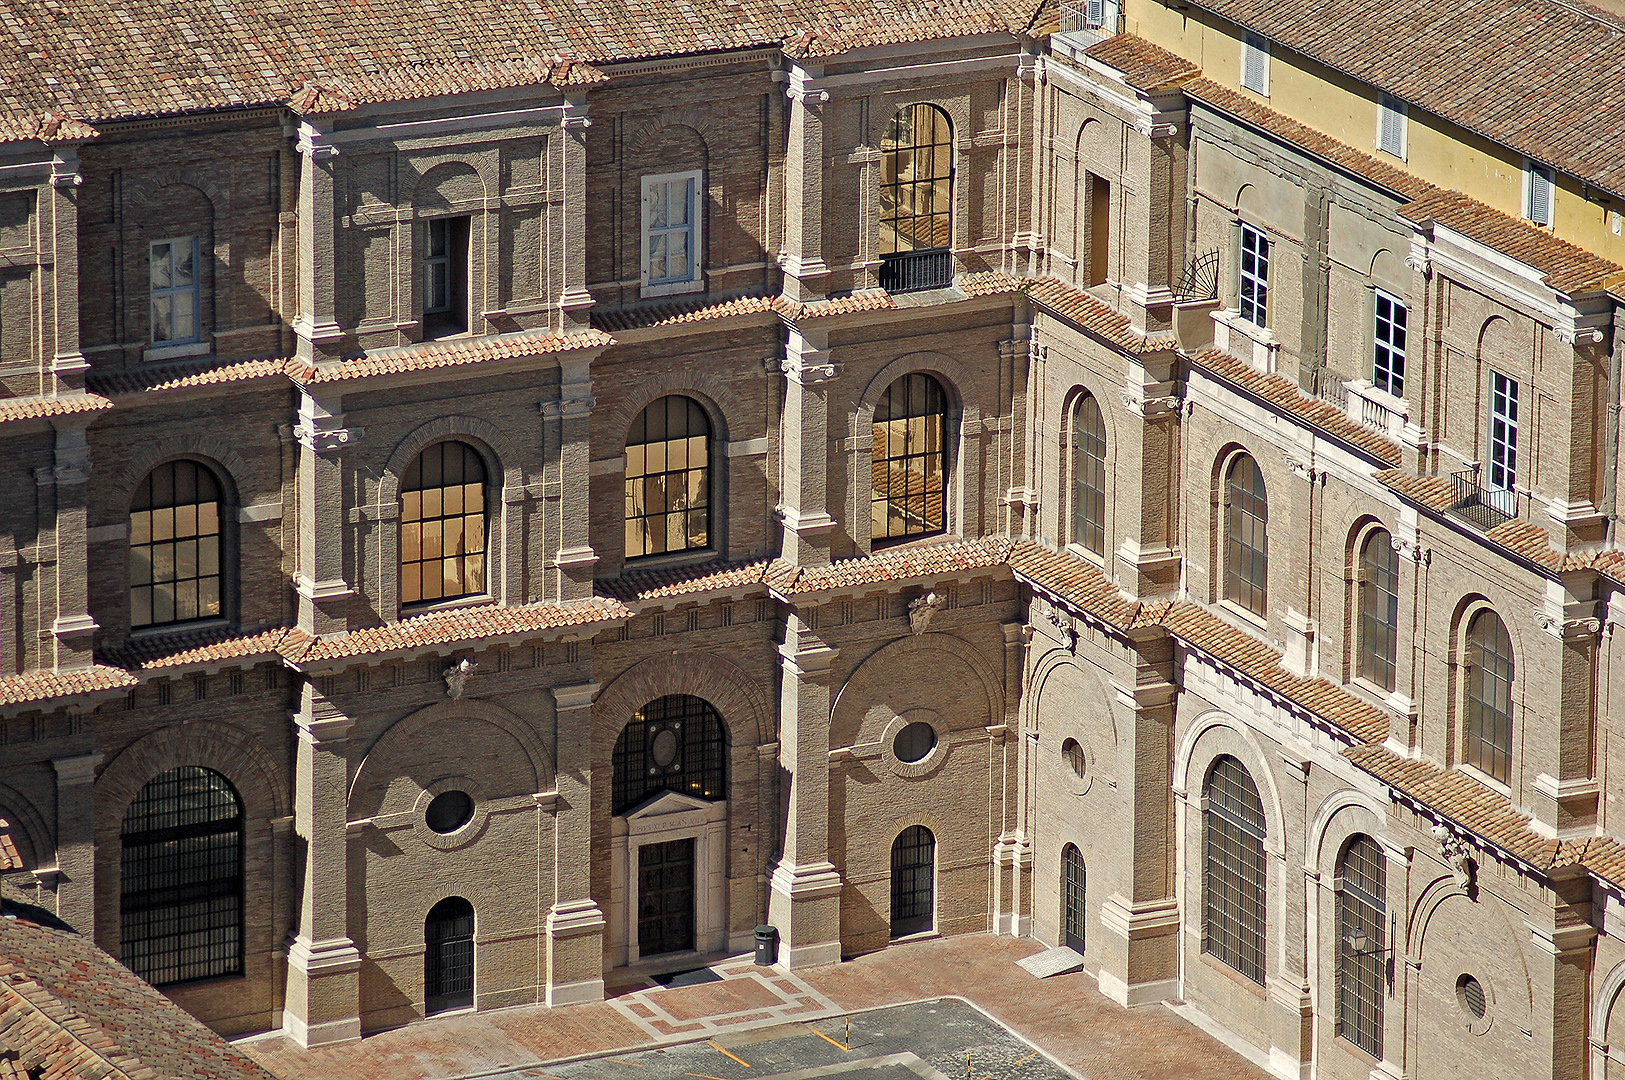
1065	1016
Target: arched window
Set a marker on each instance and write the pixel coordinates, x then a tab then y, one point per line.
1487	734
1088	476
1379	608
910	463
1246	540
1361	943
916	200
668	478
1073	880
443	525
1233	869
913	881
176	546
448	956
181	878
675	743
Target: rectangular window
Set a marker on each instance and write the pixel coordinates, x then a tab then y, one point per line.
1539	190
1255	276
174	265
1100	227
1391	126
1388	349
1503	471
1255	64
671	233
445	277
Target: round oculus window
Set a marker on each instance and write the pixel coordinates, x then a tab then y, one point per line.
914	742
449	811
1470	996
1075	759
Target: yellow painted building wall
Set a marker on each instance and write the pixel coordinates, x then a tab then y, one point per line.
1346	109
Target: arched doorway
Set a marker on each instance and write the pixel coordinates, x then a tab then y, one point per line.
448	956
1072	893
913	881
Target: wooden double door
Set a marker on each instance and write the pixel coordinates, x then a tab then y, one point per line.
666	897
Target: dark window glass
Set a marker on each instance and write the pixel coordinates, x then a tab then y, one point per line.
1470	996
1072	891
1487	742
448	956
674	743
176	547
449	811
181	878
1361	931
1255	276
443	525
914	741
445	277
1388	355
1233	869
668	478
913	878
1379	608
1246	536
910	471
1075	759
1088	477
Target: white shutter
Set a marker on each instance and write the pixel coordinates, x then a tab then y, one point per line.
1391	135
1540	196
1255	65
1096	14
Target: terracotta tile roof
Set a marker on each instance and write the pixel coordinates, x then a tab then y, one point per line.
214	645
867	300
211	372
1145	66
1603	856
48	127
1085	312
32	686
10	857
1568	269
34	408
922	559
344	94
988	283
1432	492
460	626
1539	76
1517	536
1074	580
678	312
1457	797
71	1011
444	354
634	586
1284	394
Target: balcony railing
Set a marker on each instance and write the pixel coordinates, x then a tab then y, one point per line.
1091	15
1483	506
911	271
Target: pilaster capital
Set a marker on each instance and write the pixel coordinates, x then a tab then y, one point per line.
807	660
65	169
578	696
313	143
804	85
80	769
1576	621
320	722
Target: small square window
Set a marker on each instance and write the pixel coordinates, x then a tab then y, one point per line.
174	269
1539	190
1255	64
672	233
1391	126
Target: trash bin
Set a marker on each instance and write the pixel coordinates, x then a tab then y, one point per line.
767	945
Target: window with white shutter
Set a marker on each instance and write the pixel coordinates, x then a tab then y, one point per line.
1391	126
672	250
1095	13
1538	191
1255	64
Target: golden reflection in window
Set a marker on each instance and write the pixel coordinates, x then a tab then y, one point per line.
668	478
175	546
443	525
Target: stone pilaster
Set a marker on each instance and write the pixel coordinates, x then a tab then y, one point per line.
59	282
1562	958
72	628
76	840
808	372
1566	788
575	924
574	299
1405	717
323	1002
1147	558
805	273
576	559
316	328
323	591
804	897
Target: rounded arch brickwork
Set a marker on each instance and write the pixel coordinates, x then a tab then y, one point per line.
450	183
951	373
687	116
1339	816
144	189
1216	734
229	466
735	696
404	730
1606	1005
724	407
843	730
28	827
1509	984
501	457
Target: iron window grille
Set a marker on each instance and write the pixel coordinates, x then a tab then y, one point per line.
1088	476
1246	536
1073	882
916	200
1254	292
913	881
181	878
176	546
443	525
674	743
448	956
173	265
910	470
1233	869
1379	608
668	478
1487	734
1388	345
1361	972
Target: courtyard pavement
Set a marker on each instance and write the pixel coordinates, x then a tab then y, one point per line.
739	1004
